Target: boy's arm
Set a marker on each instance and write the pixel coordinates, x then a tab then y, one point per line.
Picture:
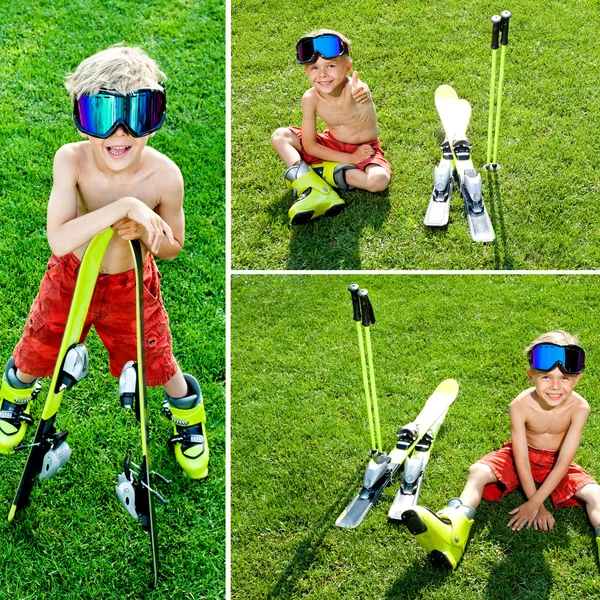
170	209
67	232
312	146
518	436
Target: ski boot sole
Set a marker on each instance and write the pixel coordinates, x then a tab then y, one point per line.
302	218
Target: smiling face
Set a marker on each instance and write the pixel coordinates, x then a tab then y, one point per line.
553	387
328	75
119	151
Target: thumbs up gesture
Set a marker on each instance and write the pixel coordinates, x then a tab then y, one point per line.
358	89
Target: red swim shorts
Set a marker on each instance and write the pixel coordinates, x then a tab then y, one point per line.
327	140
111	312
542	461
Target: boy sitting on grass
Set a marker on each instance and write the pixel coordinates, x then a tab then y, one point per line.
348	154
111	180
546	423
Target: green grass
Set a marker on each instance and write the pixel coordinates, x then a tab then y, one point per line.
540	202
299	433
75	540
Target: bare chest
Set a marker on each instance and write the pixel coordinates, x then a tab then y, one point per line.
98	191
553	423
346	113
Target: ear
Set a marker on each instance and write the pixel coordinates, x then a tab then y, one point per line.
348	66
83	135
530	376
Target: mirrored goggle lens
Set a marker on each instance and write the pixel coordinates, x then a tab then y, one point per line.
544	357
146	111
98	113
143	112
328	46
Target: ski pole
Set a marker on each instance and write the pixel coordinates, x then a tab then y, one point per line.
503	42
368	319
353	289
496	20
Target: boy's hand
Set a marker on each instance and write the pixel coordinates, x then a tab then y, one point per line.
361	153
359	91
129	229
523	515
148	220
544	520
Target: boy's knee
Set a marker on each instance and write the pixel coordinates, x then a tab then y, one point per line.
378	182
281	135
480	471
589	493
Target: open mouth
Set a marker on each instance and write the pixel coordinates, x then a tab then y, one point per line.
118	151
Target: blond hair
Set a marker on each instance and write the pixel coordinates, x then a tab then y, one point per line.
558	337
119	68
340	35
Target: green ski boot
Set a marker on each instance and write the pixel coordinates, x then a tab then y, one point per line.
443	535
14	408
189	441
334	173
315	197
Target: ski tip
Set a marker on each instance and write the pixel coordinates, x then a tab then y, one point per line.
446	91
11	514
448	386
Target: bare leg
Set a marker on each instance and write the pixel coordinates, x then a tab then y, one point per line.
177	386
479	476
287	144
590	494
24	377
373	179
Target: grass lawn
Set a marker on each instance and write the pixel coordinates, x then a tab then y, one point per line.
75	540
540	202
300	435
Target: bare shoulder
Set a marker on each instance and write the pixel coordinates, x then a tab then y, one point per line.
71	153
523	400
310	97
580	404
167	173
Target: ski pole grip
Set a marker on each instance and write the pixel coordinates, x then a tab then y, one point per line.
506	15
368	318
353	289
496	20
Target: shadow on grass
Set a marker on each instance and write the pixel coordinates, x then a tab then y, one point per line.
308	549
502	259
333	243
415	581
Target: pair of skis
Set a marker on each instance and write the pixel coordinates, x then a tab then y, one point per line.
415	439
456	163
49	451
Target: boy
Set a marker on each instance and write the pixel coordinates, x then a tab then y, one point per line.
111	180
546	422
348	154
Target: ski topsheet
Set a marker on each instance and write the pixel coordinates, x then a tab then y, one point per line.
381	471
49	451
414	472
455	114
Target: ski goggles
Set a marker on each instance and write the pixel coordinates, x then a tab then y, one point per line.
139	113
569	359
327	45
